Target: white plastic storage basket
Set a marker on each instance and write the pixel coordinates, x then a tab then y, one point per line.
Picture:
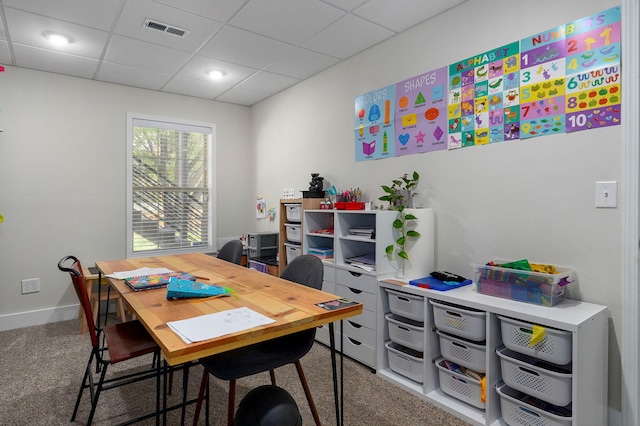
294	212
293	251
406	332
405	361
294	232
459	385
464	322
463	352
555	346
406	305
517	412
536	378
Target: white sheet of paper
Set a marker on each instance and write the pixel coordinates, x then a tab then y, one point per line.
140	272
210	326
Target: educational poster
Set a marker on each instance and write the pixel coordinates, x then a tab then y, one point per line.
593	71
542	83
421	114
374	124
483	98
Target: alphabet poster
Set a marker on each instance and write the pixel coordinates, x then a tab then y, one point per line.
562	80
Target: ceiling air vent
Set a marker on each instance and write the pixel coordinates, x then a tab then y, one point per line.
165	28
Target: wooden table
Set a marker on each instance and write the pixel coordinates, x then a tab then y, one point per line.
292	306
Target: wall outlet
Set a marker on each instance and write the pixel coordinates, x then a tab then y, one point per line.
31	285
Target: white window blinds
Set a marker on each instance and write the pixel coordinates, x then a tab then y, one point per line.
170	182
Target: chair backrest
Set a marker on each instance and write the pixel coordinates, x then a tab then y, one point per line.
80	285
231	252
305	269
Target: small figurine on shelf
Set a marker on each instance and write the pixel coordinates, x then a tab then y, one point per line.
316	183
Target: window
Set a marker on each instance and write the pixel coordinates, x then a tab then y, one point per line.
170	182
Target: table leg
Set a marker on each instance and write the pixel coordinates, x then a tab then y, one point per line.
338	400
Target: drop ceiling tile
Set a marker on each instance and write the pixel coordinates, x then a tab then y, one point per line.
5	55
399	16
197	88
245	48
242	97
57	62
267	82
27	28
291	21
129	76
96	14
347	37
347	5
301	63
134	14
219	10
143	55
198	65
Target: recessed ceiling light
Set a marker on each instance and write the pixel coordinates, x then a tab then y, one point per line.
58	39
216	74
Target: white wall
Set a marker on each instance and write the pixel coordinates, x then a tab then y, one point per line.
62	174
522	199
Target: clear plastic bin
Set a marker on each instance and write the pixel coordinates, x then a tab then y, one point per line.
524	286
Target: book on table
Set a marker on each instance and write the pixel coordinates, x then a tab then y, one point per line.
149	282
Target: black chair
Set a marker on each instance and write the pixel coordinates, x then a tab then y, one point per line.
231	252
268	355
268	405
124	341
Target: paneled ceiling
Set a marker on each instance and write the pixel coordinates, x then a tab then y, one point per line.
261	46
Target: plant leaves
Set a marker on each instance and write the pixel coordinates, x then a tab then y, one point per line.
389	249
400	241
403	254
412	233
416	176
397	224
409	216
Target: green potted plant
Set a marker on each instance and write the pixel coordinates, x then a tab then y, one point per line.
400	196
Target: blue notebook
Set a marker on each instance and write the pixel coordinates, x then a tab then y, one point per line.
436	284
185	289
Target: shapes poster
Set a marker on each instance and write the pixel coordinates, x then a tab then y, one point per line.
483	98
421	113
593	66
374	124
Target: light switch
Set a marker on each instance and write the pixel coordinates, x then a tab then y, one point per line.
607	194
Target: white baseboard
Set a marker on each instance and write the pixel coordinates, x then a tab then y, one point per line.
39	317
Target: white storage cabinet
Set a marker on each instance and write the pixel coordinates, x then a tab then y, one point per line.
574	330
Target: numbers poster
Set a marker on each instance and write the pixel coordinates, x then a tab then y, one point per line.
562	80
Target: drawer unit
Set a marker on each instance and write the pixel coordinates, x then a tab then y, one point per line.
357	280
406	332
554	347
405	361
358	332
460	386
359	351
367	299
406	305
459	321
533	377
463	352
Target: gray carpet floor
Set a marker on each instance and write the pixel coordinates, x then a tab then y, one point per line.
41	369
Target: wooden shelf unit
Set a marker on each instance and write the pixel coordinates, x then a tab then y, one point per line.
306	204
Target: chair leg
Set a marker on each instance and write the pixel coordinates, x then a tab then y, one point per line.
94	402
272	374
307	392
203	386
232	402
85	379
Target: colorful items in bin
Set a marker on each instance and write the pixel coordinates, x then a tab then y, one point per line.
185	289
519	281
537	334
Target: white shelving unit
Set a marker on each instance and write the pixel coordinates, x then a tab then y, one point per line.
351	282
586	323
